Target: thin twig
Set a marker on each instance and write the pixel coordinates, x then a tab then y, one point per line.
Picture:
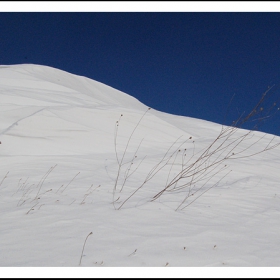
84	248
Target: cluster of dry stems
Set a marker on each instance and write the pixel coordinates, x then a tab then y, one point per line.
199	168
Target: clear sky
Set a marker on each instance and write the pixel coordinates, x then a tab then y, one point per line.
183	63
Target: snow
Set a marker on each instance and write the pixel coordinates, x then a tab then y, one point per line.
60	148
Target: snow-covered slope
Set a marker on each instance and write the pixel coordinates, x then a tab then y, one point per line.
47	105
78	156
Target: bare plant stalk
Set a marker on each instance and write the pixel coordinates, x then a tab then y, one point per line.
4	178
71	181
31	208
85	196
156	169
120	161
23	199
84	248
40	184
128	171
19	186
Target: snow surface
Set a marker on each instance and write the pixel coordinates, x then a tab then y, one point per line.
60	148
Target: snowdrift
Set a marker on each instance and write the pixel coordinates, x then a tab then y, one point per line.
153	189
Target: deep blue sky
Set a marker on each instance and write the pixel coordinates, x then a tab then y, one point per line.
187	63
